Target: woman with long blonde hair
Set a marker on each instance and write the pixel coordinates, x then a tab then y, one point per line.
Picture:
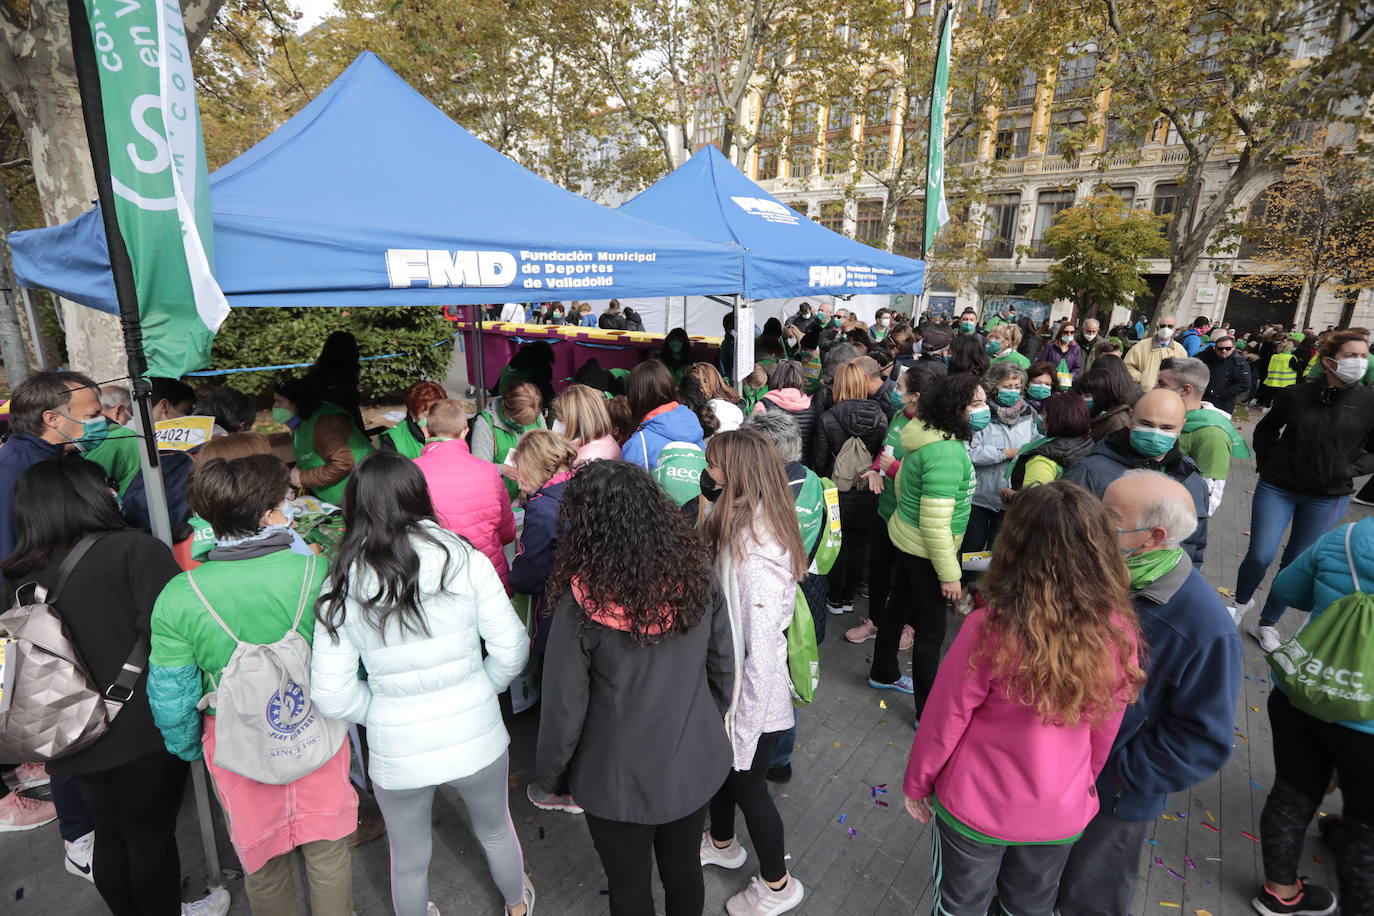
1026	706
544	463
753	529
583	419
723	400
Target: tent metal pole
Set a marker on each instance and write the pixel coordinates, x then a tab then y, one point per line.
34	336
481	357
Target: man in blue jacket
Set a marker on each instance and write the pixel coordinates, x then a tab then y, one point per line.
1179	730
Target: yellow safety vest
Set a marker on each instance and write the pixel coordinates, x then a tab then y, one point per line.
1281	372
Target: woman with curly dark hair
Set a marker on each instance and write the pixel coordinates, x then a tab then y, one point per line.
638	675
759	557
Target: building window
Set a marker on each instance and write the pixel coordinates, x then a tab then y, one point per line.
802	161
1126	192
999	225
836	161
1166	199
1048	205
1062	124
768	163
1076	73
877	151
840	115
908	226
805	120
1023	94
1013	138
710	121
832	215
1122	134
868	226
879	103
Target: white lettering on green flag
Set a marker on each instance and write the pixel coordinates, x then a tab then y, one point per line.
157	169
937	210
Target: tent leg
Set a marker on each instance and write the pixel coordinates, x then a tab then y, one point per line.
481	358
214	876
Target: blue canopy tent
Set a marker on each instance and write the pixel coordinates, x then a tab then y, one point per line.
372	196
786	254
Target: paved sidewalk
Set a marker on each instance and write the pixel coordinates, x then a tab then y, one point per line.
848	743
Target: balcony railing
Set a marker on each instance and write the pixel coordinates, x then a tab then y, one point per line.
998	248
1038	249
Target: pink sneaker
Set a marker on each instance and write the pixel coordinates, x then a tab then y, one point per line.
31	775
908	637
865	631
19	813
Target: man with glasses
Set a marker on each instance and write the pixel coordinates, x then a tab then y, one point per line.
1143	360
1230	374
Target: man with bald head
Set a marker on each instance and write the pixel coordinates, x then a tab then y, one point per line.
1151	444
1179	730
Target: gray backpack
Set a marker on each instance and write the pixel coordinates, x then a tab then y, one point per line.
265	725
853	459
51	707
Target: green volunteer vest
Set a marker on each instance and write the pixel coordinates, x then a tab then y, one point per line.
505	440
406	443
202	538
307	459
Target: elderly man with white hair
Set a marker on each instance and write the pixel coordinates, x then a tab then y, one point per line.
1179	731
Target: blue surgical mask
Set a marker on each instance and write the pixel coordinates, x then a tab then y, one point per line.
1038	392
895	397
979	418
1008	396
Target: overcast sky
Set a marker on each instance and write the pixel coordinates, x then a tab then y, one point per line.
313	11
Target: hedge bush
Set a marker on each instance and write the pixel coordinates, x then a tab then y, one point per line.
275	336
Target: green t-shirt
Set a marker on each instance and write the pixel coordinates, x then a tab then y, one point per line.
964	830
256	598
118	456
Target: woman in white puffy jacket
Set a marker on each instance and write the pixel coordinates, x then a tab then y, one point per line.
414	604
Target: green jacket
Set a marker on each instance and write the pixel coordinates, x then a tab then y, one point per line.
1211	441
1013	357
934	492
303	444
118	455
887	500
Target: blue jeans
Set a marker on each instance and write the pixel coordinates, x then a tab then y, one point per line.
1271	511
782	754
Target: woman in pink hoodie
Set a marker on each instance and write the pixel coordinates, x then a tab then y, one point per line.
1026	706
787	392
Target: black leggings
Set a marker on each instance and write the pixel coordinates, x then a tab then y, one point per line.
625	850
134	807
925	609
1306	752
858	514
749	790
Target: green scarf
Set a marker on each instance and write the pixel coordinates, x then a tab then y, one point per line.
1197	419
1151	566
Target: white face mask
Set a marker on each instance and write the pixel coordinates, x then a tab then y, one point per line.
1066	338
558	428
884	321
1351	369
1089	336
1165	333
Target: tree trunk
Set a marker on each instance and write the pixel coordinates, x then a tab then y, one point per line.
1309	298
12	348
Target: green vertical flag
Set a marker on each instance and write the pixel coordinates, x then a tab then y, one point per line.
158	175
937	210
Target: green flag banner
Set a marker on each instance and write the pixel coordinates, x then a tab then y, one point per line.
937	210
158	176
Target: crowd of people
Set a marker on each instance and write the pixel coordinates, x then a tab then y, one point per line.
641	557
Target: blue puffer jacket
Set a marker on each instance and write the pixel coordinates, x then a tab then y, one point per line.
1320	576
529	572
678	424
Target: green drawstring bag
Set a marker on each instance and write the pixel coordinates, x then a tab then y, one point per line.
1064	375
803	658
1327	670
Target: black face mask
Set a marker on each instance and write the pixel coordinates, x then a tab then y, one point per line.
709	488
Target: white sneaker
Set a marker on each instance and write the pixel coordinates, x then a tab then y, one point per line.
1239	610
79	854
1269	638
527	897
758	899
215	903
732	856
431	910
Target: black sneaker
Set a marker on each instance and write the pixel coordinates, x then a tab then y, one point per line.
1312	900
780	774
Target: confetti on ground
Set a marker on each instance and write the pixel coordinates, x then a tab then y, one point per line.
1159	861
1181	814
1213	859
853	833
1249	836
1317	859
19	894
1172	906
1168	817
1177	875
1211	828
1201	913
1154	842
604	893
843	818
837	744
879	801
1254	709
541	833
1211	818
1256	786
1188	860
882	704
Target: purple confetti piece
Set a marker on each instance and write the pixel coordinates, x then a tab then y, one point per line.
1189	860
1180	814
853	833
1159	861
541	833
604	893
880	802
19	894
843	818
1177	875
881	787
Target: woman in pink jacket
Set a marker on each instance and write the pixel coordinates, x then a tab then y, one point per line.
468	493
581	417
1026	706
